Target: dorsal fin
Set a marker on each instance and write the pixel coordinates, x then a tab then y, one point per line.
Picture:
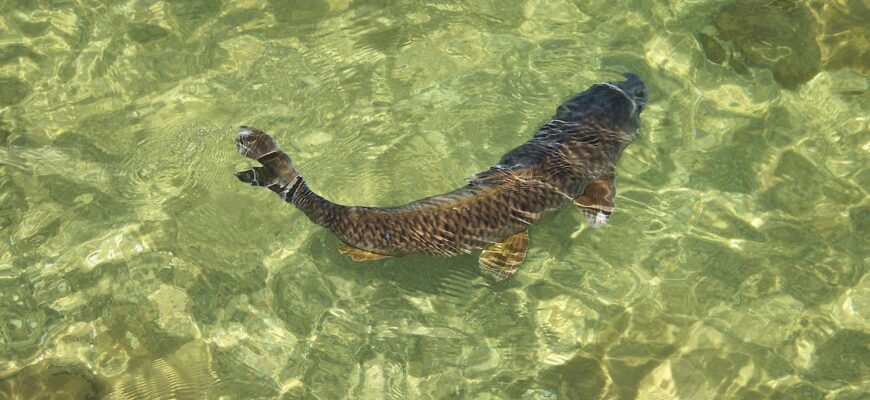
498	174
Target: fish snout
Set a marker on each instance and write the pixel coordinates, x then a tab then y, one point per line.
633	86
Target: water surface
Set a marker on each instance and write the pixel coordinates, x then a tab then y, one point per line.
134	265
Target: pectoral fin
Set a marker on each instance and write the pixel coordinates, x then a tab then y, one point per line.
501	260
596	202
359	254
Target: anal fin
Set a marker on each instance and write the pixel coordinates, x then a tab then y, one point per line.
359	254
501	260
596	202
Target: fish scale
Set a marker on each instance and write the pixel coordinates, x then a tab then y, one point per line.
577	148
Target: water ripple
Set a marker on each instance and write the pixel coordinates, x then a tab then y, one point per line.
134	265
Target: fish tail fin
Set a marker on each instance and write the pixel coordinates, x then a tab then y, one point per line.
279	175
277	172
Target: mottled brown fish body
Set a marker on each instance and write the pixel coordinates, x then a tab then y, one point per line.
580	145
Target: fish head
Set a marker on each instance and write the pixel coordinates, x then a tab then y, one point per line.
633	88
630	100
612	106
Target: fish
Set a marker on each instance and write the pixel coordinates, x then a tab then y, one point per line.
571	159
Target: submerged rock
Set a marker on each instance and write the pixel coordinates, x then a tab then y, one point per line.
146	33
12	91
51	381
778	35
844	36
712	49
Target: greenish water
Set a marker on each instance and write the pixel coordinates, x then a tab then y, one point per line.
134	265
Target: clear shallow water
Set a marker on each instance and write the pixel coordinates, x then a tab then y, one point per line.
134	265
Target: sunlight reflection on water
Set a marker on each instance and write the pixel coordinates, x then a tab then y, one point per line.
134	265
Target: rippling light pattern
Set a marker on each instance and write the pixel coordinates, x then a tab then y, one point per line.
133	265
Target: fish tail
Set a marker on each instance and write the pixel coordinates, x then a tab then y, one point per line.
278	175
277	172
